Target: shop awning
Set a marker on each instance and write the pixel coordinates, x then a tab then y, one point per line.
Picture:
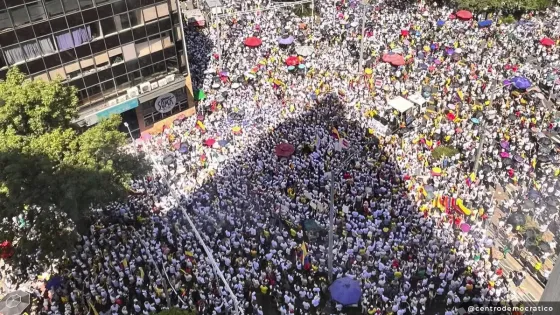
168	88
401	104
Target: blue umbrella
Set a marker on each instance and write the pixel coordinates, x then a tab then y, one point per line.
54	282
291	68
346	291
183	148
223	143
301	66
286	40
433	46
475	120
521	83
440	23
485	23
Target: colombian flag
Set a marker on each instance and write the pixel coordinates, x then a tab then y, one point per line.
303	252
335	133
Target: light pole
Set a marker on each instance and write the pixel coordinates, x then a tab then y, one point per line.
129	132
365	6
334	173
490	115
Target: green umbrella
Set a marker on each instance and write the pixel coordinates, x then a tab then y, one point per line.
199	95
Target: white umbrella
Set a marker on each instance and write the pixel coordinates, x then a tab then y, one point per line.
304	50
458	50
235	85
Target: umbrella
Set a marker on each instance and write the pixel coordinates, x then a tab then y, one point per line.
54	282
301	66
235	85
517	219
346	291
168	159
183	148
512	117
521	83
504	144
284	150
545	141
533	194
440	23
518	158
14	303
292	61
209	142
464	14
547	42
286	40
223	143
304	50
291	68
485	23
475	120
504	155
252	42
465	227
507	161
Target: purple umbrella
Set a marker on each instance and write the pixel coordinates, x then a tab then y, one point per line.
465	227
437	61
450	51
504	155
451	106
518	158
504	144
286	40
507	82
521	83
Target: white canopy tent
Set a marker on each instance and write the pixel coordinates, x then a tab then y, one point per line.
417	99
401	104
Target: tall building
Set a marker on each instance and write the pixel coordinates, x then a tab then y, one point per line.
123	56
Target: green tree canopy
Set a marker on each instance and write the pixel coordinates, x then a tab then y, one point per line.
511	5
52	172
177	311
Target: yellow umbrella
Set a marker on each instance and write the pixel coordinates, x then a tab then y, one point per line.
436	170
426	48
236	129
368	71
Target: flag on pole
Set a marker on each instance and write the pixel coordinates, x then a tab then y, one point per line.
335	133
345	144
303	252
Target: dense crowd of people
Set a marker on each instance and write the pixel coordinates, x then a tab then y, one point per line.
410	227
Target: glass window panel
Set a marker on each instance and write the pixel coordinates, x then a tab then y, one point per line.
12	3
122	21
135	18
108	26
105	11
155	44
129	52
59	24
7	38
83	51
139	32
74	19
157	56
3	74
2	62
149	14
2	5
68	55
91	79
108	88
132	4
86	63
13	54
25	33
152	29
72	67
135	77
5	21
105	75
132	65
36	11
43	28
19	16
146	2
119	7
70	5
159	67
112	41
119	69
162	10
52	61
36	66
90	15
98	2
126	37
122	81
54	7
84	4
47	45
145	61
167	41
97	46
142	48
101	59
93	90
165	24
54	73
147	72
114	52
41	77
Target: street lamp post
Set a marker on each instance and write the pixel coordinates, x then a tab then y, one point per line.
129	132
334	173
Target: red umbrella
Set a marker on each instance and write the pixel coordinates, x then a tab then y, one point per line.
284	150
547	42
464	14
452	16
209	142
398	60
404	32
451	116
253	42
292	61
388	57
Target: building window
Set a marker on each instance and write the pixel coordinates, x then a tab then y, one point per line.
75	19
41	29
36	12
19	16
84	4
75	37
70	5
108	26
54	7
5	21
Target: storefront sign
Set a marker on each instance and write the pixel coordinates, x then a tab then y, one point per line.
117	109
165	103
